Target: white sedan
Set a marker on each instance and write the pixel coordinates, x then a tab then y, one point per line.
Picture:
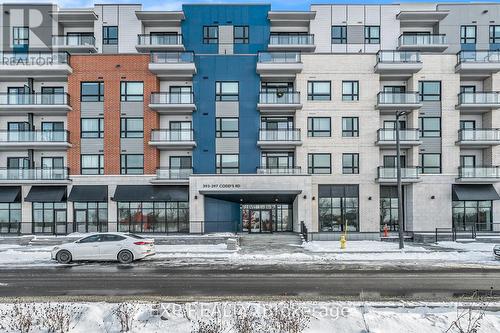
123	247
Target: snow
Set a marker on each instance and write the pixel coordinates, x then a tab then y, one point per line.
469	246
359	246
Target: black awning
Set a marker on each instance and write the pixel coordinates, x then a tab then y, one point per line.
89	193
47	194
474	192
10	194
255	197
151	193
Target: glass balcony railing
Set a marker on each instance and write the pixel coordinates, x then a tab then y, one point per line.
422	40
34	99
172	98
31	58
279	171
279	57
398	57
185	57
397	98
167	39
292	97
478	56
491	97
479	134
479	172
407	134
291	39
173	173
170	135
34	174
391	173
279	135
73	40
34	136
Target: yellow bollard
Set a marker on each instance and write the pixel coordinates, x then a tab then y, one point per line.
342	242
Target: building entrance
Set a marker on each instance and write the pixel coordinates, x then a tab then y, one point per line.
263	218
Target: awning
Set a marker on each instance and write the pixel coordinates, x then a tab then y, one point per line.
255	197
151	193
474	192
89	193
47	194
10	194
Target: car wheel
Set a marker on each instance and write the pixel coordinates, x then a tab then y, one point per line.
125	257
63	257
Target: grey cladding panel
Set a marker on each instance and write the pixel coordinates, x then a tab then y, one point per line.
227	109
430	109
132	145
92	146
227	145
355	34
110	49
430	145
132	109
92	109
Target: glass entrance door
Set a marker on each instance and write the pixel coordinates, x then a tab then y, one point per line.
261	220
254	221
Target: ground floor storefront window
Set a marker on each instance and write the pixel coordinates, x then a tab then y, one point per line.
338	207
50	218
389	208
469	214
90	216
10	218
267	217
154	217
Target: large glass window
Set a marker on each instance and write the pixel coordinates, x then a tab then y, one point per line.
468	34
277	160
20	36
226	127
110	35
210	34
132	128
319	90
153	217
266	217
227	163
49	217
131	91
132	164
92	128
10	218
92	164
472	214
350	163
240	34
350	126
338	207
180	162
319	163
389	208
430	163
494	34
430	90
92	91
318	127
430	127
372	34
226	91
339	34
350	90
90	216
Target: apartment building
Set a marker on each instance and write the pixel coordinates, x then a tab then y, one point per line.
240	118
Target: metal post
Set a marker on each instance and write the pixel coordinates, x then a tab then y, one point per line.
398	170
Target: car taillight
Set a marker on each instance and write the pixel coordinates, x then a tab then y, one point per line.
142	243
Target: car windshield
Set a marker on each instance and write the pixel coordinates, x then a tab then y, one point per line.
135	236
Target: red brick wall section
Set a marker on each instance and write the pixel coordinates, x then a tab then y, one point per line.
112	69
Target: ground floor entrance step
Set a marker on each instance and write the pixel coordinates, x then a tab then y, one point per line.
275	243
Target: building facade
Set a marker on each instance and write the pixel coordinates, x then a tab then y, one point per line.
239	118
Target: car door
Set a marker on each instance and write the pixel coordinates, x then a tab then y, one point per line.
110	246
87	248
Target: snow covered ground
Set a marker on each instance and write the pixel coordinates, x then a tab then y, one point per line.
308	317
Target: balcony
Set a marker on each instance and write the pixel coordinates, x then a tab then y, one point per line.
22	140
398	65
279	138
279	64
172	102
74	43
479	137
482	174
44	65
172	139
391	101
389	175
34	175
421	42
408	137
478	64
279	171
170	42
478	101
43	104
279	102
172	175
291	42
173	65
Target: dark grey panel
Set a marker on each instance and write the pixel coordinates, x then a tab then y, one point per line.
355	34
132	109
430	145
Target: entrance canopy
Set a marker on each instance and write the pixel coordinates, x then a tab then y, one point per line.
88	193
474	192
47	194
10	194
257	197
151	193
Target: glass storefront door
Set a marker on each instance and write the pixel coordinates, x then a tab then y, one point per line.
262	218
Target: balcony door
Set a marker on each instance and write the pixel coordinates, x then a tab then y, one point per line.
180	166
16	167
18	131
277	160
390	161
53	168
180	131
467	161
181	94
163	38
395	89
53	131
79	38
18	95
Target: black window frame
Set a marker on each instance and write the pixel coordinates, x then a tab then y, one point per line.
343	34
494	37
207	39
180	157
312	169
353	169
368	34
313	133
125	132
88	170
16	40
220	132
219	168
126	97
424	132
106	39
430	169
99	132
464	39
245	39
423	95
125	169
220	96
354	96
312	96
355	127
91	97
97	209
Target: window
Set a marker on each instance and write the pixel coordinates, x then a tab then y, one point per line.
467	161
318	127
52	162
92	164
389	208
468	215
468	34
494	34
338	207
430	90
275	161
319	90
350	163
153	217
92	91
110	35
430	127
131	128
132	164
49	217
350	90
350	127
226	91
319	163
132	91
111	238
241	34
210	34
10	217
226	163
467	124
92	128
181	94
430	163
226	127
91	239
90	216
20	36
372	35
467	89
18	163
180	162
339	34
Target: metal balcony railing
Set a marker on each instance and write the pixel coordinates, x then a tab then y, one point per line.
291	39
34	99
279	57
279	171
73	40
491	97
407	134
479	172
479	134
31	58
292	97
170	135
34	174
397	98
391	173
34	136
478	56
172	98
184	57
279	135
423	40
167	39
398	56
173	173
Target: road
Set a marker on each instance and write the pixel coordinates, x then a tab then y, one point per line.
261	281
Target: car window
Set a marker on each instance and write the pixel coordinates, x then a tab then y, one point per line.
112	238
90	239
135	236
